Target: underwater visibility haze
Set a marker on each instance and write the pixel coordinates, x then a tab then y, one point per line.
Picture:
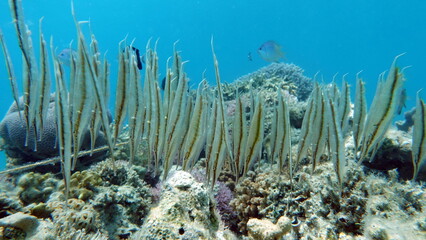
212	119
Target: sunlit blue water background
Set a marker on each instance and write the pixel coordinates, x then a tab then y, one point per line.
343	36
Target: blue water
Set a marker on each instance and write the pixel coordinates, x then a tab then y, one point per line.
331	36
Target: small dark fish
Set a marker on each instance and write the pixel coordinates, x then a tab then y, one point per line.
163	83
249	57
140	59
270	51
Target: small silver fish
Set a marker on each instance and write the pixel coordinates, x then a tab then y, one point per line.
270	51
402	100
65	56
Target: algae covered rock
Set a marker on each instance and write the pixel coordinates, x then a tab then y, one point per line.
185	211
36	187
18	226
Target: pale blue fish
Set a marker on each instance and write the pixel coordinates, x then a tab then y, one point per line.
270	51
65	56
402	100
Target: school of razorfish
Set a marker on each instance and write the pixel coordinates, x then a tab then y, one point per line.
177	125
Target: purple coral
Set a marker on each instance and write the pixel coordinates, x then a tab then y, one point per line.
223	198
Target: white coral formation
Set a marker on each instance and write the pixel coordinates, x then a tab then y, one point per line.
185	211
263	229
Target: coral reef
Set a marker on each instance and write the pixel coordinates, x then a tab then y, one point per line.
265	83
103	204
244	128
185	211
20	226
323	211
269	79
123	200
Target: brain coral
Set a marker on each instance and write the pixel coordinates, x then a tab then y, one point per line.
13	131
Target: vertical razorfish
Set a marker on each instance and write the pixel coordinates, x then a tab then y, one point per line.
210	136
82	102
283	138
121	93
319	129
337	147
95	118
239	134
10	71
99	95
164	117
419	133
221	104
176	118
195	137
253	148
360	112
151	78
218	149
305	134
134	105
344	106
382	111
44	81
147	95
156	134
29	67
271	139
63	123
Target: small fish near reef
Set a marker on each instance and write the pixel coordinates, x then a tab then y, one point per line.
270	51
65	56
